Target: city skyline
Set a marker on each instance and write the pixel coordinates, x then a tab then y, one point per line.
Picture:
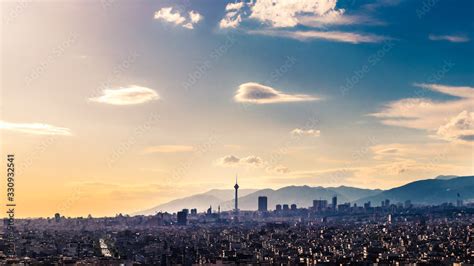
120	106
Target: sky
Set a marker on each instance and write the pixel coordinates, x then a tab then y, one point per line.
117	106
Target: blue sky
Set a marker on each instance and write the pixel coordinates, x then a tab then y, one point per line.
145	101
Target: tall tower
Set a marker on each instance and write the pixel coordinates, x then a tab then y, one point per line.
236	187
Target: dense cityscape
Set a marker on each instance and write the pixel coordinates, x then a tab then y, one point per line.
325	233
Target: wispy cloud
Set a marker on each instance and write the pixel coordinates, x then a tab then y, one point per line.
169	15
280	18
252	92
35	128
338	18
438	117
288	13
233	16
305	132
233	161
449	38
460	127
338	36
126	96
168	149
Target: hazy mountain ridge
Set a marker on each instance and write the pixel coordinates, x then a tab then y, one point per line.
302	196
202	201
428	191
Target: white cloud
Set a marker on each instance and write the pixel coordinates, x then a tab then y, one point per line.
449	38
423	113
279	169
194	16
126	96
232	161
234	6
252	92
287	13
460	127
305	132
233	16
168	149
281	17
169	15
35	128
231	20
338	36
337	18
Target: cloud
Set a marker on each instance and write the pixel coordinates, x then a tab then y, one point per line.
381	3
449	38
167	14
232	161
338	36
35	128
305	132
337	18
288	13
252	92
460	127
234	6
280	17
233	16
279	169
231	20
427	114
126	96
168	149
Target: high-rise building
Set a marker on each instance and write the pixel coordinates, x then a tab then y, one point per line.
57	217
278	207
334	202
262	204
286	207
236	187
293	207
320	205
194	211
183	217
367	205
408	204
459	202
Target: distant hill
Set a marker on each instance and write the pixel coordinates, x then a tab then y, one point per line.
201	202
430	191
446	177
302	196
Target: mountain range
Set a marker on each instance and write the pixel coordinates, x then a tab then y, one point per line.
430	191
